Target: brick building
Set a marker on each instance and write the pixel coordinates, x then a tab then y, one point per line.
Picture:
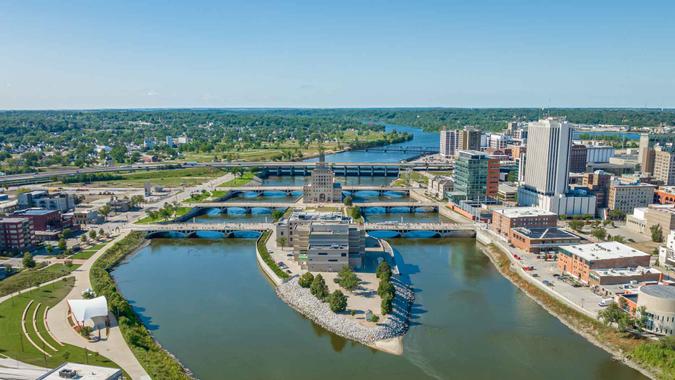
16	234
504	220
581	261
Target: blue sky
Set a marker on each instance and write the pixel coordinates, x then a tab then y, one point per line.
114	54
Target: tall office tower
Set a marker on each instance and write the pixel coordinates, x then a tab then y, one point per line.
548	151
448	143
644	144
469	139
547	170
664	166
476	174
578	156
646	155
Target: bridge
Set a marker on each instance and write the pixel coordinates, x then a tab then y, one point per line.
341	169
248	206
403	149
192	229
294	189
231	229
394	229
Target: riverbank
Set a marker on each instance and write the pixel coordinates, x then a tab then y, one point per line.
158	362
602	336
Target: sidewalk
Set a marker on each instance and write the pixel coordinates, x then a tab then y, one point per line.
114	347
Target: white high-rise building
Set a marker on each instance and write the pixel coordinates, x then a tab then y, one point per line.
547	170
548	150
449	141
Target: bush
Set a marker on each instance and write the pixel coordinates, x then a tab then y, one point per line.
85	331
385	287
337	301
319	288
383	268
306	280
386	303
262	249
28	261
347	279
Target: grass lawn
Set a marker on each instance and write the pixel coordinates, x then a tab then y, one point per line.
31	277
14	343
165	178
89	252
242	180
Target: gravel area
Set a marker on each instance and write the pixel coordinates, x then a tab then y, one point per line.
302	300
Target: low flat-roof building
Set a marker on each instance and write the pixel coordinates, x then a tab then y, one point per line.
580	260
541	240
665	195
616	276
503	220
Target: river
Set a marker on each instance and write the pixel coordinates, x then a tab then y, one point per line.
207	302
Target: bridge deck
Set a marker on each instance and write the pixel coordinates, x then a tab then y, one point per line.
266	226
310	205
299	188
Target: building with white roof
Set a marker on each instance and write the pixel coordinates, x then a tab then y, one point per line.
659	303
503	220
580	260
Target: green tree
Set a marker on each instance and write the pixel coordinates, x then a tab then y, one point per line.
576	225
306	280
356	213
383	268
348	201
319	288
66	233
337	301
277	214
385	287
62	244
105	210
657	233
386	304
348	279
83	238
599	233
28	261
92	234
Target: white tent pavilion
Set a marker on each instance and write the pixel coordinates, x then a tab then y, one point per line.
95	310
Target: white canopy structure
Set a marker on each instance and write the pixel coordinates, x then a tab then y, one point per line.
85	310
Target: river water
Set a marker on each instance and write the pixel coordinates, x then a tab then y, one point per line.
207	302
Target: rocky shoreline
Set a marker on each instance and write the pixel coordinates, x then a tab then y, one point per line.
396	325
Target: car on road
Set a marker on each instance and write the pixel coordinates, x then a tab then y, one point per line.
547	283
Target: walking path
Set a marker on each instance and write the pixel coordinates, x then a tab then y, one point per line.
113	346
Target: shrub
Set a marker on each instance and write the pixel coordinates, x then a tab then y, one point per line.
337	301
85	331
386	303
28	261
385	287
383	268
306	280
319	288
347	279
262	249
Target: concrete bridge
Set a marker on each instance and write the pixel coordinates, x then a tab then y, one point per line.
422	229
248	206
289	190
192	229
341	169
403	149
230	229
